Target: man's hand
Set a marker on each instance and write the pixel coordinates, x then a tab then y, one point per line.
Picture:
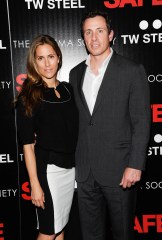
130	177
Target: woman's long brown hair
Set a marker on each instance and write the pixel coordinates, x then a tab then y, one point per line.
31	91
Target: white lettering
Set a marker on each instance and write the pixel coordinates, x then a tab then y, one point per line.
4	85
153	185
66	4
51	4
80	6
58	5
131	38
74	4
21	44
21	157
155	151
8	193
64	43
154	37
80	42
5	158
152	78
1	45
36	3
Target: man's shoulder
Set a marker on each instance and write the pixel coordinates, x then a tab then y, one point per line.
79	67
125	61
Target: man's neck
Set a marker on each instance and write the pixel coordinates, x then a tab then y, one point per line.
97	61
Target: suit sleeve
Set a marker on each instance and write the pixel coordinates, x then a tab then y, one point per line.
139	108
70	78
25	125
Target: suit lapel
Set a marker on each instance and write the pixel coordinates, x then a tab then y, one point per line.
80	86
107	83
106	88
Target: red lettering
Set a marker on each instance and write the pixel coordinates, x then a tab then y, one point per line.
146	222
156	112
26	188
132	2
140	3
159	223
122	3
112	5
151	220
137	226
20	79
156	2
1	231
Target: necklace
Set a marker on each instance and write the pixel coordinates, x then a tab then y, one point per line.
63	101
55	89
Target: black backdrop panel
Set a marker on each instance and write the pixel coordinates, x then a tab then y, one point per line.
9	188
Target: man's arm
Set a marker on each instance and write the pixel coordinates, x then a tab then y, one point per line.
139	108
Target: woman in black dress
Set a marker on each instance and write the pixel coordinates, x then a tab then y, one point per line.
47	122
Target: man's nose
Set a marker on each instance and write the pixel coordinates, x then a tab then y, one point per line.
93	35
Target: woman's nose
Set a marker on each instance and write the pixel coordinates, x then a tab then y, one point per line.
46	62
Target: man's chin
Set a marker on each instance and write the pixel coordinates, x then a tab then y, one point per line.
95	53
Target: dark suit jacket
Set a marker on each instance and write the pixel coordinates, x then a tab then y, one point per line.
116	135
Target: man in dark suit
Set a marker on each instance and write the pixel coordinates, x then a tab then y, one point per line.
112	96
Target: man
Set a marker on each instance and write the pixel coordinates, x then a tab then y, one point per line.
112	96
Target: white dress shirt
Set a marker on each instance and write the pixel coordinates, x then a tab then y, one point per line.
93	82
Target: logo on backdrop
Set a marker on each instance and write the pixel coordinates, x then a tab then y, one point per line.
156	113
133	3
154	37
1	231
6	158
6	193
2	47
54	4
21	157
62	43
9	193
153	185
26	195
5	85
155	78
157	149
19	81
21	43
148	223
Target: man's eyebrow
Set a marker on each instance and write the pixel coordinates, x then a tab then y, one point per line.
95	28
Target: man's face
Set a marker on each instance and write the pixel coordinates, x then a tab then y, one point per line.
96	36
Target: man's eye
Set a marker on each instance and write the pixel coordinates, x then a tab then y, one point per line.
88	32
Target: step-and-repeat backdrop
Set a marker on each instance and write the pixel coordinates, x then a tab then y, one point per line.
138	35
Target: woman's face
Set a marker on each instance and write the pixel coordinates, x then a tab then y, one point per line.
46	61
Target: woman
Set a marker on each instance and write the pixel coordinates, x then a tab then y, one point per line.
47	126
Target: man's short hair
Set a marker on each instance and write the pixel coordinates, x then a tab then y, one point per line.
93	14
